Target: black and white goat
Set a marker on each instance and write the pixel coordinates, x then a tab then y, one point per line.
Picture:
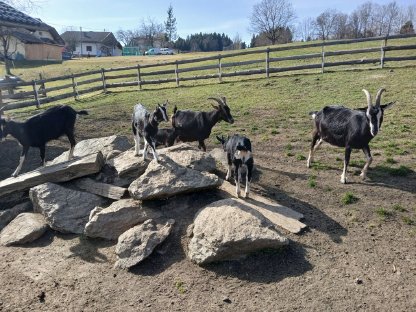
196	126
239	158
40	129
349	128
145	125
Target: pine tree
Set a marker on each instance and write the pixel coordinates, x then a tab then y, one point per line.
170	25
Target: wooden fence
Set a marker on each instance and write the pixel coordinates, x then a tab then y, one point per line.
79	84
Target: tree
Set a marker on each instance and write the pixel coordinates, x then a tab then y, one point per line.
325	23
269	17
407	28
22	5
126	36
306	29
170	25
151	31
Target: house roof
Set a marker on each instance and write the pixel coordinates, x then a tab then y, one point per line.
22	24
9	15
104	37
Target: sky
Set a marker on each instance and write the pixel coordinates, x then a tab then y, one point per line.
222	16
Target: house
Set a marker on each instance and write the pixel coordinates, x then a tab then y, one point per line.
93	43
26	38
138	45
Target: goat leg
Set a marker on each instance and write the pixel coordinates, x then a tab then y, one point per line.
237	177
42	154
313	147
145	149
22	159
346	162
153	146
367	153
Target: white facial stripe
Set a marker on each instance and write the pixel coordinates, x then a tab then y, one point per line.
165	116
378	119
371	124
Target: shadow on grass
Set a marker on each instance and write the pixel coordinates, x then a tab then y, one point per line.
88	249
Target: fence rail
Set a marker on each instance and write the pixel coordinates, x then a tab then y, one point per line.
137	73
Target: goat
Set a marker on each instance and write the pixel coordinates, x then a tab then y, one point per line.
145	125
239	157
166	137
349	128
40	129
196	126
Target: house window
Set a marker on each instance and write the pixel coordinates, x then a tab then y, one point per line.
89	48
40	33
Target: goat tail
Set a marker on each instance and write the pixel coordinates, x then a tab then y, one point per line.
83	112
313	114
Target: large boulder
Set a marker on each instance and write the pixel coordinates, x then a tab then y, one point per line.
106	145
9	214
128	165
167	178
139	242
111	222
65	210
230	229
25	228
190	157
220	157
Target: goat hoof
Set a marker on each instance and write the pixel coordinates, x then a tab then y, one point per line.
14	175
343	180
246	195
363	175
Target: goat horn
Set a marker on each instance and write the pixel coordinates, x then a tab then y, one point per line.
217	100
368	95
378	96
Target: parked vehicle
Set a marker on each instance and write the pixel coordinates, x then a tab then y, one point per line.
166	51
153	51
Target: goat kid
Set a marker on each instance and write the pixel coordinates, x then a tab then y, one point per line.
40	129
145	125
348	128
196	126
239	158
165	137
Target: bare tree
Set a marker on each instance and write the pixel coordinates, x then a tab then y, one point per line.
325	23
23	5
8	46
306	30
126	36
151	31
341	28
270	16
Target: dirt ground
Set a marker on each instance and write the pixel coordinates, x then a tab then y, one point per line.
350	259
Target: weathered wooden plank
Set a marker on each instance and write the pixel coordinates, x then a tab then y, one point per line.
101	189
281	215
62	172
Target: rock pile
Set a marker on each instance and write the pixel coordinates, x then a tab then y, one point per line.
107	192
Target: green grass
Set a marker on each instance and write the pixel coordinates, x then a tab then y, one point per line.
312	181
407	220
349	198
399	208
383	213
180	286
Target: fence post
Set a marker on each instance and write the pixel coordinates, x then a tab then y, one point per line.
42	86
75	87
267	62
139	78
383	52
103	79
35	91
323	59
219	68
1	99
176	74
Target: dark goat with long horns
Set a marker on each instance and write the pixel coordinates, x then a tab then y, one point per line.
40	129
349	128
196	126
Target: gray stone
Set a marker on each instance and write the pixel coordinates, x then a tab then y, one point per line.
128	165
111	222
167	178
139	242
9	214
220	157
25	228
230	229
65	210
110	145
190	157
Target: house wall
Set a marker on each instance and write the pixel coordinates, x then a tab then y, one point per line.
15	47
43	52
43	34
95	49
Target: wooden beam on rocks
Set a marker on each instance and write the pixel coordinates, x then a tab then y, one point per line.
101	189
281	215
61	172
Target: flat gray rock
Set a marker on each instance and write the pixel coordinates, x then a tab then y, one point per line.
108	146
65	210
167	178
230	229
9	214
128	165
25	228
139	242
111	222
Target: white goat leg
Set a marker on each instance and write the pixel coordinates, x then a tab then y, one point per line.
312	152
145	149
247	190
71	153
344	174
237	183
19	167
363	174
228	176
153	146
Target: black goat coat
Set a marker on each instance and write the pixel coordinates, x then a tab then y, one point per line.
343	127
194	126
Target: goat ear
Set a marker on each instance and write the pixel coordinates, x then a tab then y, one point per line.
387	106
220	139
166	103
215	106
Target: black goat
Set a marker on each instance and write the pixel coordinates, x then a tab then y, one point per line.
145	125
40	129
196	126
239	157
349	128
166	137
